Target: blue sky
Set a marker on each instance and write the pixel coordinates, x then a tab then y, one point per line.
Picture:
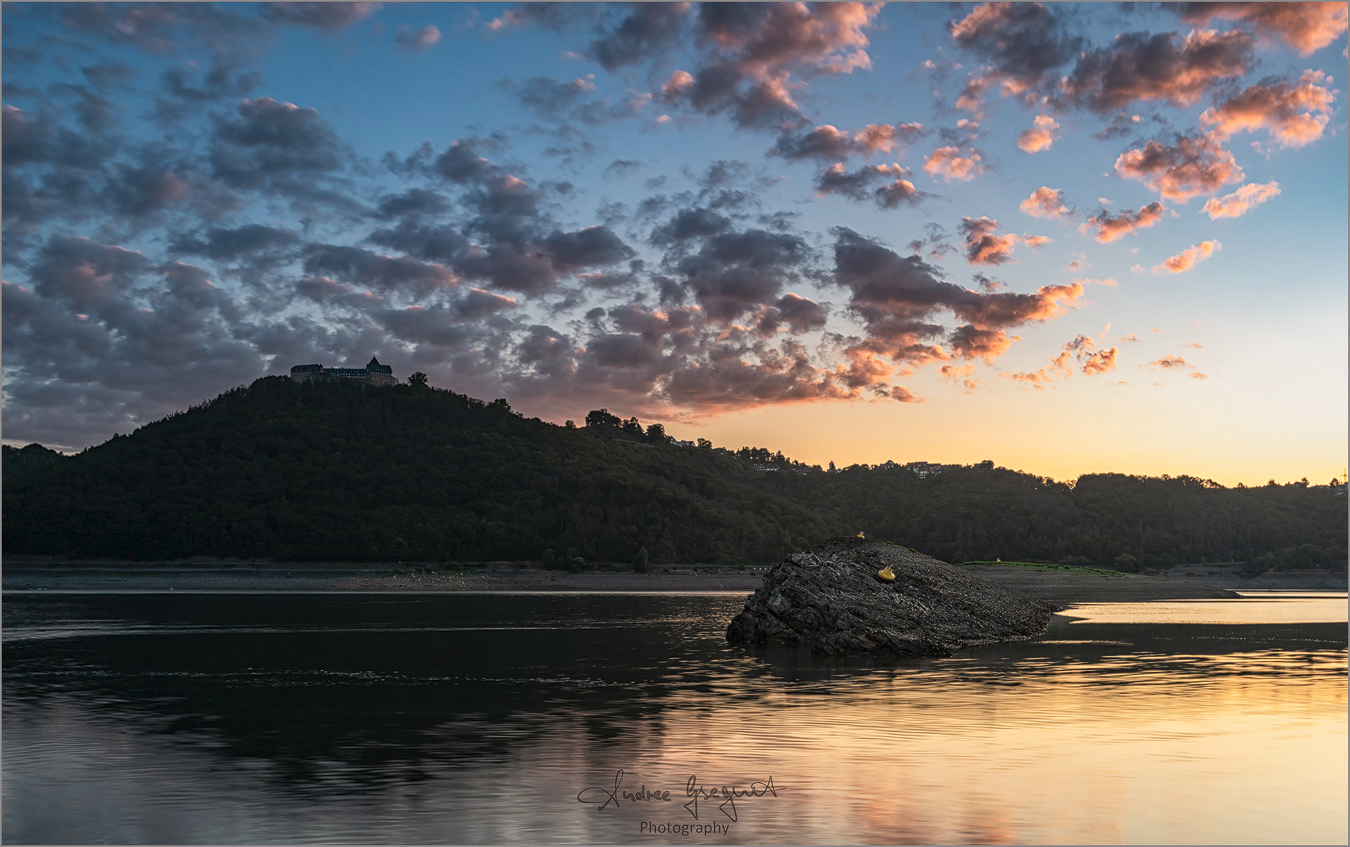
1069	238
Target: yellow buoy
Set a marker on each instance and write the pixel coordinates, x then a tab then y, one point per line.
860	535
886	574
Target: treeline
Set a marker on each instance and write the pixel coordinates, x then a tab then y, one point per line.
335	471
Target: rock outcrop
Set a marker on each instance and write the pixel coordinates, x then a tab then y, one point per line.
830	600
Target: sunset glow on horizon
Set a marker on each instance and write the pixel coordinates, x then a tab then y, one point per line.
1068	238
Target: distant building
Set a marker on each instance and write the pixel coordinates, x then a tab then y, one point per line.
923	470
762	466
373	373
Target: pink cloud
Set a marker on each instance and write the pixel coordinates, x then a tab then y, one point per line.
1138	66
1045	202
951	165
1241	201
1187	258
1307	27
1294	113
1110	227
1100	361
1195	165
1040	137
983	245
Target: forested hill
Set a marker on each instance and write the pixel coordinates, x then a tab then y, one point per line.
335	471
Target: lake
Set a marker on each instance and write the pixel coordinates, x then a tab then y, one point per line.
507	718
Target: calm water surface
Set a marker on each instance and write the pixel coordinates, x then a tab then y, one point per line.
257	718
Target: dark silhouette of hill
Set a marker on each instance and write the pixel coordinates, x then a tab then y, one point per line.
348	472
345	472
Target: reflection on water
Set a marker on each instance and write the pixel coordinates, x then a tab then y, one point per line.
480	719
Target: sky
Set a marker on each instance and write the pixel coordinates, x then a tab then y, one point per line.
1068	238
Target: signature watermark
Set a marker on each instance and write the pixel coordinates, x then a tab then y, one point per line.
718	803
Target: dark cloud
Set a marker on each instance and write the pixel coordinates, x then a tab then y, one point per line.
1307	27
513	267
141	191
547	351
414	201
984	246
591	247
432	243
1194	164
380	272
862	184
223	81
461	163
237	243
646	30
163	28
108	74
272	140
1138	66
798	313
36	139
326	16
898	298
1110	227
1024	42
735	272
622	167
753	50
832	144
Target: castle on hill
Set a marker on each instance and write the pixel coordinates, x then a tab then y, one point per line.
373	373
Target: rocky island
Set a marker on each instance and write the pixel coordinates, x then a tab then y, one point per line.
832	600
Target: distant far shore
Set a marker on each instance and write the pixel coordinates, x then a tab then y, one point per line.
1060	587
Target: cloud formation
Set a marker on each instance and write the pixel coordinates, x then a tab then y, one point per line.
1240	202
1040	137
984	246
1045	202
1187	258
1162	67
862	184
1110	227
830	143
1194	165
1294	113
948	163
1307	27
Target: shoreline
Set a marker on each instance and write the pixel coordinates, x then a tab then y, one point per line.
1060	588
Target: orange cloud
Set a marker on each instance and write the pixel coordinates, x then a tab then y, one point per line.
1110	227
1294	113
1241	201
1170	363
960	375
1139	66
1036	379
970	342
1036	240
1195	165
1045	202
1040	136
1198	375
1307	27
1100	362
1184	260
951	165
983	245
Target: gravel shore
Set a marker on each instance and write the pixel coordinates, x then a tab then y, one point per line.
1059	587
